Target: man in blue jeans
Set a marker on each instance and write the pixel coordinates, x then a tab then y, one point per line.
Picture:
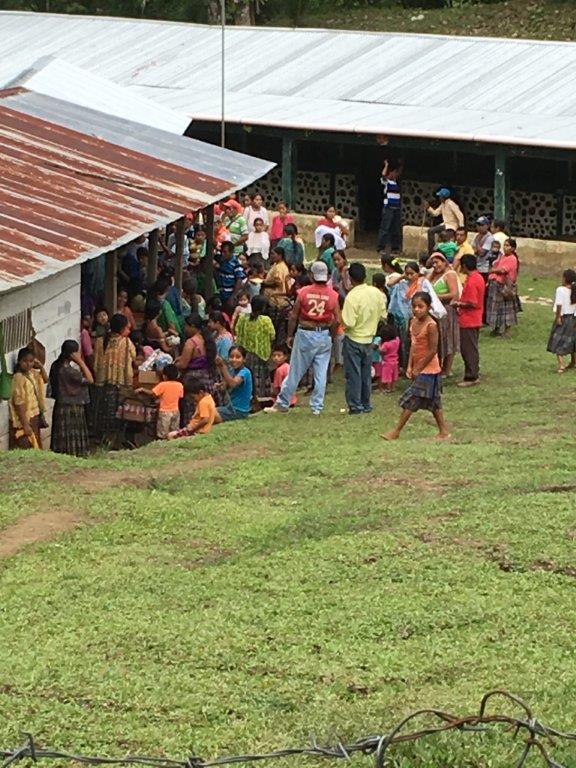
317	313
390	232
364	307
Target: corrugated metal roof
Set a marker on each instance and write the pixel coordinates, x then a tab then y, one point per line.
75	183
475	89
54	77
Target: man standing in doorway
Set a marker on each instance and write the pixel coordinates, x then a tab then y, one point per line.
317	313
390	233
364	307
452	216
470	308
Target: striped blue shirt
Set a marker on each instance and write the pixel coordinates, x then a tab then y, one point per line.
391	193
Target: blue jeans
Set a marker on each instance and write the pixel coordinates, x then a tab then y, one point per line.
311	348
390	232
358	373
229	413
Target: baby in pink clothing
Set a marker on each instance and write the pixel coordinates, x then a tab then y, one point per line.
390	351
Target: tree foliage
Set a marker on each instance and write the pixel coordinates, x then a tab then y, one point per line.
237	11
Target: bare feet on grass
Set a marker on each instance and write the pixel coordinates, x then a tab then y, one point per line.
392	435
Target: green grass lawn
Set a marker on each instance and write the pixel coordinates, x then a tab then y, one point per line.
292	576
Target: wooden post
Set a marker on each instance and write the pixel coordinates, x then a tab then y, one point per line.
209	258
110	282
289	172
501	185
180	229
152	271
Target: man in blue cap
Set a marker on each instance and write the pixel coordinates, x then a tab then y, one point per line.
452	216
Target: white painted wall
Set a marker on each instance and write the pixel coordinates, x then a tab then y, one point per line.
55	304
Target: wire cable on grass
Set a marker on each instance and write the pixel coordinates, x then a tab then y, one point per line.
537	738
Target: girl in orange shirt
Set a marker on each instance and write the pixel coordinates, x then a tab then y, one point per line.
423	368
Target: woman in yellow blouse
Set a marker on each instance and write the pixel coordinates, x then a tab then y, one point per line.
27	403
114	355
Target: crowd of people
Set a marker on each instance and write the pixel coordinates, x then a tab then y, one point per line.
277	320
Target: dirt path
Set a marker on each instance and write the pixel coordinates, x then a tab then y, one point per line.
36	528
42	526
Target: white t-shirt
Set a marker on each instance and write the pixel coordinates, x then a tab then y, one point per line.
259	242
501	237
250	215
562	298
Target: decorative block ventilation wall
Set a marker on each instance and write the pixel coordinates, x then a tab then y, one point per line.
313	191
533	214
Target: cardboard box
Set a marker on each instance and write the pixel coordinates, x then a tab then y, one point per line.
148	377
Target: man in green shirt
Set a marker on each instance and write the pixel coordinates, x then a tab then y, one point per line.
364	307
237	227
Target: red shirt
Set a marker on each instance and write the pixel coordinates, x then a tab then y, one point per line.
277	227
279	375
473	292
318	303
510	265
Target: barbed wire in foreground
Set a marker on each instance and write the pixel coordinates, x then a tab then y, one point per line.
537	738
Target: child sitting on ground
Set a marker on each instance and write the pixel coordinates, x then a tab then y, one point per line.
390	352
280	357
168	393
447	244
243	308
237	383
204	414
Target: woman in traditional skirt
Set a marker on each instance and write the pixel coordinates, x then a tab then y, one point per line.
447	287
114	355
196	361
502	303
562	339
27	402
256	333
423	368
69	380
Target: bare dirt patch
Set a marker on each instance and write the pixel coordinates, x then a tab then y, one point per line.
558	488
94	480
382	477
35	528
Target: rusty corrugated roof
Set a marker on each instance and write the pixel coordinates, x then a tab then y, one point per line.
68	194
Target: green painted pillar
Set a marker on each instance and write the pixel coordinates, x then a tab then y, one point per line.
501	185
289	172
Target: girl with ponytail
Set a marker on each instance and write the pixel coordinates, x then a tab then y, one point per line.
562	339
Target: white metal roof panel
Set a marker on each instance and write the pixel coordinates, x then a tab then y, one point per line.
475	89
57	78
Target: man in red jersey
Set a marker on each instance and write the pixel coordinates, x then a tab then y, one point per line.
470	309
317	313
